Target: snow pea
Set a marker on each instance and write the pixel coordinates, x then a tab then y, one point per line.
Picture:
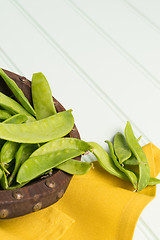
106	161
16	119
23	153
4	181
131	161
4	114
17	92
75	167
121	148
13	107
42	96
153	181
7	153
35	166
144	169
132	177
44	130
1	173
62	143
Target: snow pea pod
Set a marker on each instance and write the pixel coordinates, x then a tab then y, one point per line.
153	181
23	153
17	92
75	167
106	161
62	143
44	130
7	153
16	119
13	107
132	177
131	161
121	148
144	169
1	173
4	181
35	166
4	114
42	96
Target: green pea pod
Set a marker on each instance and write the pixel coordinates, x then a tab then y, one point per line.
75	167
35	166
17	92
132	177
131	161
4	181
42	96
153	181
16	119
62	143
1	173
121	148
13	107
106	161
144	169
44	130
23	153
4	114
7	153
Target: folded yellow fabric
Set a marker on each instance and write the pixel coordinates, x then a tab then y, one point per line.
47	224
103	207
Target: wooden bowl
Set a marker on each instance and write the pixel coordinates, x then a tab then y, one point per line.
41	192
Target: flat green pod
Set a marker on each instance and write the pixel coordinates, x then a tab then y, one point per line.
35	166
17	92
121	148
13	107
22	154
131	161
131	176
42	96
4	114
62	143
44	130
106	161
16	119
75	167
144	169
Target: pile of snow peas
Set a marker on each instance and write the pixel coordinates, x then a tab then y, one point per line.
126	159
33	138
33	141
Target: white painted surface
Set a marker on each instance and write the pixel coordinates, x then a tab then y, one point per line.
101	59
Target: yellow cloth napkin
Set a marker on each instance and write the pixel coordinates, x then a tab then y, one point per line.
103	207
47	224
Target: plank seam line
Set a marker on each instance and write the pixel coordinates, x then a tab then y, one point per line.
7	59
143	17
67	58
149	76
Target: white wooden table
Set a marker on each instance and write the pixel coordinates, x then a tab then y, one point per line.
101	58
